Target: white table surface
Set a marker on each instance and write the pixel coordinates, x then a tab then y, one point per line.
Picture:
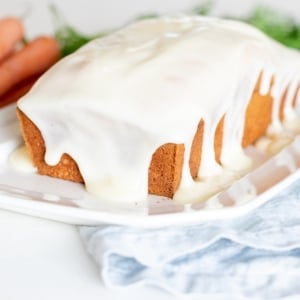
41	259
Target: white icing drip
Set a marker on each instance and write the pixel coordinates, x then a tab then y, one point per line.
204	189
20	160
289	112
277	95
265	84
234	125
291	121
187	179
111	104
209	166
297	99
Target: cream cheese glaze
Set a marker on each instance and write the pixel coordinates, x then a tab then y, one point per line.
112	103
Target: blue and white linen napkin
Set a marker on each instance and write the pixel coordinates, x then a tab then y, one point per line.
256	256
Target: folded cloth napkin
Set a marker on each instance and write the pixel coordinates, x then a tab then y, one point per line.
255	256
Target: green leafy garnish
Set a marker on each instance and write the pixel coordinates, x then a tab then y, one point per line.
203	9
278	26
148	16
275	24
68	37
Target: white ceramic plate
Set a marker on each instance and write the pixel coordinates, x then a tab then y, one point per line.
64	201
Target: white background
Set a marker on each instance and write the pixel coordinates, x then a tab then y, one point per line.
40	259
93	15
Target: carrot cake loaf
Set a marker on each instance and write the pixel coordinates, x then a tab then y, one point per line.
162	106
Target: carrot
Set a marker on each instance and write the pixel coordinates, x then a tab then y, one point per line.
11	32
34	58
19	90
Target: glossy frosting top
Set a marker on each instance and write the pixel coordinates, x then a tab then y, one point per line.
112	103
